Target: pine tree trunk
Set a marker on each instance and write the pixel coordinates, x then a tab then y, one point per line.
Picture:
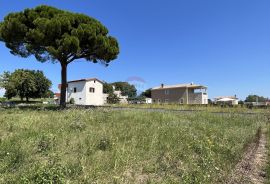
63	85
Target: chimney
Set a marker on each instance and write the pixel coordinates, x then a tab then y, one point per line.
191	83
162	85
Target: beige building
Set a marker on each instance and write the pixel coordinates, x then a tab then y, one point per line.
180	93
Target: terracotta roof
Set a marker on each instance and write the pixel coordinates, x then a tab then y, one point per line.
191	86
89	79
57	95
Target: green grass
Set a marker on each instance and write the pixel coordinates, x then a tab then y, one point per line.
268	148
205	108
106	146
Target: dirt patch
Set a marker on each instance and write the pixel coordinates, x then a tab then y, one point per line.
250	168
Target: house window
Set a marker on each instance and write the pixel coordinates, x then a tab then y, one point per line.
181	100
94	81
166	100
167	92
92	90
74	90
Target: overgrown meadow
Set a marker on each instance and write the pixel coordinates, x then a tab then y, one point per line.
112	146
204	108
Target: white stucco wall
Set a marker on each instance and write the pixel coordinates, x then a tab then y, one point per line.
205	98
97	97
83	96
148	100
80	96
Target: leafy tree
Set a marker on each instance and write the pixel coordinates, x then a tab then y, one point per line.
48	94
59	36
112	99
42	85
126	89
256	98
107	88
25	84
147	93
10	90
241	102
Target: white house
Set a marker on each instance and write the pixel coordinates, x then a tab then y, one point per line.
148	100
232	100
123	99
85	91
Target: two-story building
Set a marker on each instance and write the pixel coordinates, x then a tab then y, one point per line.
180	93
86	92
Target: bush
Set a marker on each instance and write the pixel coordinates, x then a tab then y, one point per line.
2	99
72	101
113	99
49	174
104	144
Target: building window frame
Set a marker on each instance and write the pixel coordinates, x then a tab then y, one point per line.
92	90
74	90
181	100
167	91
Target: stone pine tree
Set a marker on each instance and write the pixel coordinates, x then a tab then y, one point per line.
60	36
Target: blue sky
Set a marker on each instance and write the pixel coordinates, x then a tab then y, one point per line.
224	45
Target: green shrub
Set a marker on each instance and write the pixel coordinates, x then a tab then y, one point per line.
104	144
2	99
48	175
72	101
112	99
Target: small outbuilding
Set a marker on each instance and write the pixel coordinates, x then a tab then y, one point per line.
230	100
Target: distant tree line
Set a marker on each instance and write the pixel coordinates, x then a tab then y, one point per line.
125	88
26	84
256	98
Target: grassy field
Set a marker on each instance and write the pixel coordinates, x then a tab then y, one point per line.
268	164
205	108
107	146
